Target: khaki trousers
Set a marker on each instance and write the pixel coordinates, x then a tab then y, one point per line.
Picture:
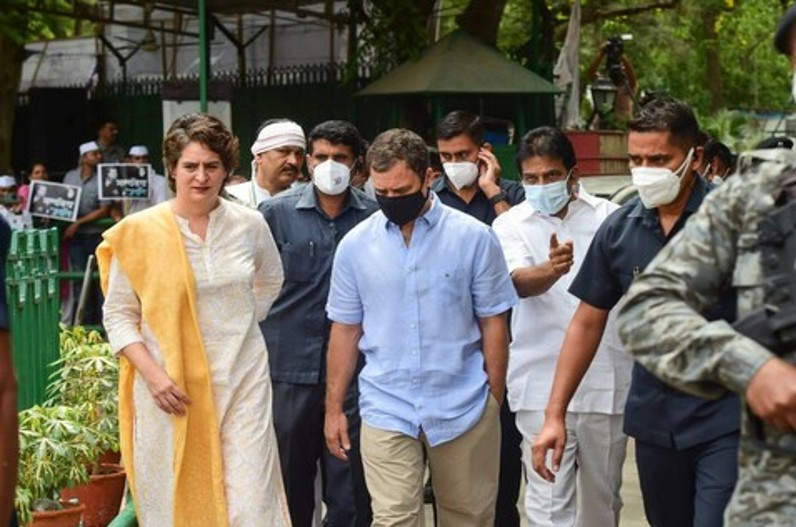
464	474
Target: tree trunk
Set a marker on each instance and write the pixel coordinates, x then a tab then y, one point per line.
11	57
481	18
712	59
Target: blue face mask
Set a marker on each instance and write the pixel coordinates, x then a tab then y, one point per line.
549	198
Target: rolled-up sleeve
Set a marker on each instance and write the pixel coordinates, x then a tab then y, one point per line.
345	303
660	323
515	252
492	290
122	310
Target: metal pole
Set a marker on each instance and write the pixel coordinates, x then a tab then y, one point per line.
203	69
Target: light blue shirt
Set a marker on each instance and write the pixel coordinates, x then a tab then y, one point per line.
419	307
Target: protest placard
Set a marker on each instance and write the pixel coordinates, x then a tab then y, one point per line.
49	199
123	180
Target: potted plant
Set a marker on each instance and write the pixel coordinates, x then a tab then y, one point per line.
86	376
55	451
87	373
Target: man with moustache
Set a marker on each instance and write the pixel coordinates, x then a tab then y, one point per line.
307	222
278	157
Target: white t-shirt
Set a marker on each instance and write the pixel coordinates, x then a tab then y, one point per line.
539	323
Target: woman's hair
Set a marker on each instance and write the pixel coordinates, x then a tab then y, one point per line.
204	129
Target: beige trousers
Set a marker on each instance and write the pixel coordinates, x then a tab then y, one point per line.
464	474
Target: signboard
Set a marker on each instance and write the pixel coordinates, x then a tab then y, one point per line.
123	181
48	199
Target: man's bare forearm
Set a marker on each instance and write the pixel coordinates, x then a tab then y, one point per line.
341	363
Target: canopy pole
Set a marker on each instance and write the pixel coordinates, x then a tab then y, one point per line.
203	59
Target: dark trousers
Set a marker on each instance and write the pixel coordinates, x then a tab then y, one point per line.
688	487
298	422
506	513
80	248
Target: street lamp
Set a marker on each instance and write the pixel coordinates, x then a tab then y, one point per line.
603	94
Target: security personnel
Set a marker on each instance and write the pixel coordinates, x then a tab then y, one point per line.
662	328
686	446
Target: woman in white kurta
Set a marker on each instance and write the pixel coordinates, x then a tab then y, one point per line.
237	275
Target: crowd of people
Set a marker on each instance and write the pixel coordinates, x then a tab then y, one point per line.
336	337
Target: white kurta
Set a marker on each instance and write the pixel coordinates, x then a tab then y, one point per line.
539	323
238	275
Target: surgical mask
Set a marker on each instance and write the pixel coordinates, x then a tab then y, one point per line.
549	198
461	174
793	87
331	177
658	185
402	209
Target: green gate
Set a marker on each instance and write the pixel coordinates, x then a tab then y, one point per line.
32	287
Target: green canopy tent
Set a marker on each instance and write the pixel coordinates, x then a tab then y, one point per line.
457	72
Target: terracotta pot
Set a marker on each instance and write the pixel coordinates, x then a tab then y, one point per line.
102	495
68	517
110	458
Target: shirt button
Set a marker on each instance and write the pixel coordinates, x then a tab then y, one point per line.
412	326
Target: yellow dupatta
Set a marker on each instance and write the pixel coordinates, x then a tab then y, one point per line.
149	249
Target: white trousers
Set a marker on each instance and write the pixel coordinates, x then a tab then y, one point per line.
586	490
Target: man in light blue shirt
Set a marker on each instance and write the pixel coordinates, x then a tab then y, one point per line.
422	291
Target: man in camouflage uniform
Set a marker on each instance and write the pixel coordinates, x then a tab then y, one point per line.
661	326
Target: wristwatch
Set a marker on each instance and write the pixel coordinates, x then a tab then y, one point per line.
497	198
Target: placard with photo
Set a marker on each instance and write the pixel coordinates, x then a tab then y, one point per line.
48	199
123	181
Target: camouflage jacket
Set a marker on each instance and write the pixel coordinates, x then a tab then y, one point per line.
661	326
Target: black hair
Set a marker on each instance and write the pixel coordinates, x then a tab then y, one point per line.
714	149
461	122
338	132
398	144
663	113
546	141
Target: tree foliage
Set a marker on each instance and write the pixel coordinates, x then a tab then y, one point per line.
17	28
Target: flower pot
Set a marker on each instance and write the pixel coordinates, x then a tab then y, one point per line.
68	517
102	495
110	458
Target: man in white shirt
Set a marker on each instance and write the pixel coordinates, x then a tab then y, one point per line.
544	240
278	157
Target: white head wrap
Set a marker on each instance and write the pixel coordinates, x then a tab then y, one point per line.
88	147
277	135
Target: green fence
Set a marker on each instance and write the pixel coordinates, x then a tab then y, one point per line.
33	292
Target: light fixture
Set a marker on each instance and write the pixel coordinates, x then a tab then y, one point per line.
149	43
603	93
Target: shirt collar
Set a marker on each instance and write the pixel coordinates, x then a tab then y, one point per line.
308	199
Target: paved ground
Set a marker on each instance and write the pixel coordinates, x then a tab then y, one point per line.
632	512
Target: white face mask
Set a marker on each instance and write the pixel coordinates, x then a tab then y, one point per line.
793	87
658	185
549	198
331	178
461	174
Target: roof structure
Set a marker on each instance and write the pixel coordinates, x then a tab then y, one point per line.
106	12
459	63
